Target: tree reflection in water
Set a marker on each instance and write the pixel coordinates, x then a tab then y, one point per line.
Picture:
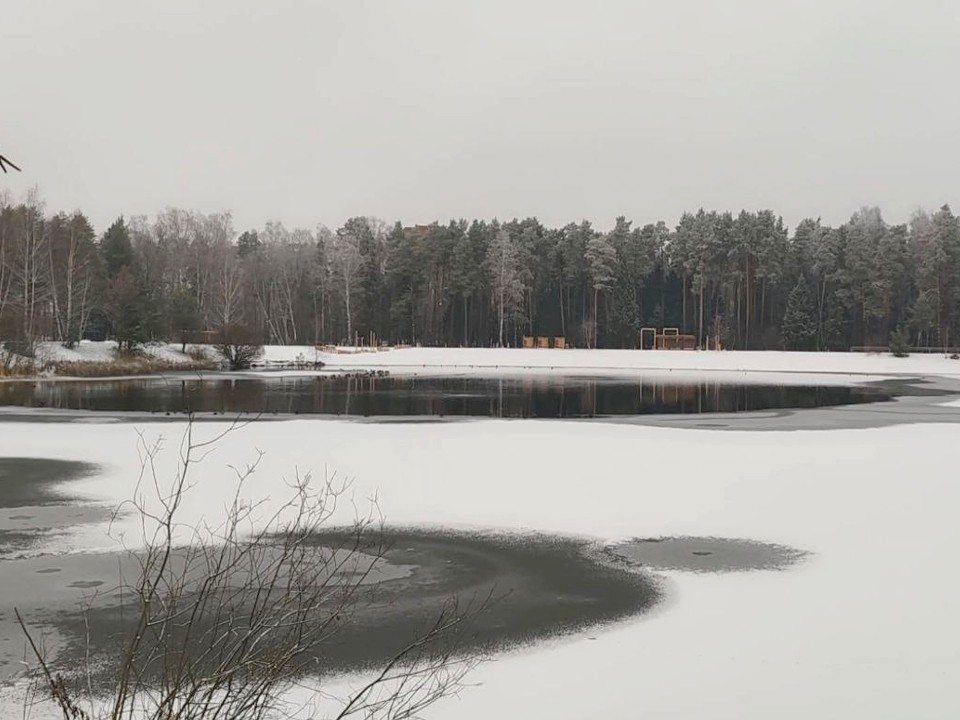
372	396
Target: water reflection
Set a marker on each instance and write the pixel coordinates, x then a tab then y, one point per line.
510	397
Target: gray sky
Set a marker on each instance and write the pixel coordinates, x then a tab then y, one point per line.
311	112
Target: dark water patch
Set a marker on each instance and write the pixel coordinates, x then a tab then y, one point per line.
26	482
406	396
86	584
705	554
539	586
530	588
34	505
933	387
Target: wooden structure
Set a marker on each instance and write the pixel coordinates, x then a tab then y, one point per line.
648	338
666	339
530	342
418	232
199	337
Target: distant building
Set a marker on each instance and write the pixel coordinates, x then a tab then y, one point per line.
417	231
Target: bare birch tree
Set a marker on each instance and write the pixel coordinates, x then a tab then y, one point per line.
72	256
7	214
347	262
30	265
506	283
229	289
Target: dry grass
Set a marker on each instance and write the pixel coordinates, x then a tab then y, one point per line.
16	371
136	362
197	353
15	366
125	364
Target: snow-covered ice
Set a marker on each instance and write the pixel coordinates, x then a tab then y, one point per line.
866	627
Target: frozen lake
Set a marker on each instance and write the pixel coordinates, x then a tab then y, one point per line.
531	396
863	625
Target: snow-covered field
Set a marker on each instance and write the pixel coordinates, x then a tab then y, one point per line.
485	360
865	628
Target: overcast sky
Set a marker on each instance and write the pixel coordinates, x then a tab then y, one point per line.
417	110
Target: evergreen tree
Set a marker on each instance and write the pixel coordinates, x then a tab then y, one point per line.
116	250
125	306
183	316
799	327
601	257
248	243
125	309
900	342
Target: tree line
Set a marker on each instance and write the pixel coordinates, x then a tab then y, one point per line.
741	280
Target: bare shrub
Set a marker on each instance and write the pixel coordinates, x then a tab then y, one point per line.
239	346
224	618
14	364
197	353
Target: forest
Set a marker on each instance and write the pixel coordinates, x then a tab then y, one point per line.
741	280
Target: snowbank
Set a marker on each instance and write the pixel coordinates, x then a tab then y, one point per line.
632	361
105	351
84	351
866	627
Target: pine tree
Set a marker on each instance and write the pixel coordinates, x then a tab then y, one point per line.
799	326
124	301
601	257
900	342
125	309
116	250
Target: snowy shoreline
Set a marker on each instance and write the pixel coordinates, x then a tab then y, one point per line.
733	366
636	361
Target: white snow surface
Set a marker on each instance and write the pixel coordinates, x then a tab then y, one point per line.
866	627
487	360
105	351
84	351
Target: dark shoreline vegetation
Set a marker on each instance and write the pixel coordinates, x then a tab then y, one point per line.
123	364
742	280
